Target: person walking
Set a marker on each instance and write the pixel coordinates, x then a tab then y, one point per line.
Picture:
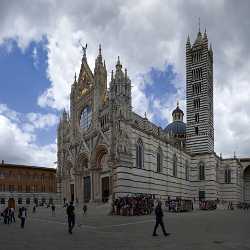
22	215
53	209
12	215
71	217
159	220
84	209
6	215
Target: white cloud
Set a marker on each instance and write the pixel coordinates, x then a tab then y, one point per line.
18	138
42	120
145	34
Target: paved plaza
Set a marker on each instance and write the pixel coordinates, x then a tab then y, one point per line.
219	229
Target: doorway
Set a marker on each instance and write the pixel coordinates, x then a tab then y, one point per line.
202	195
105	189
86	188
11	203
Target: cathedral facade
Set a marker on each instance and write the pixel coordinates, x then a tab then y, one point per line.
106	150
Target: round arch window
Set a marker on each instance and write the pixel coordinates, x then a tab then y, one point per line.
85	118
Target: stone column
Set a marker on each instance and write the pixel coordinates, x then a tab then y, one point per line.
80	189
92	186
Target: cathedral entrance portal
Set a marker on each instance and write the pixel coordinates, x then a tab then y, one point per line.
105	189
247	185
86	188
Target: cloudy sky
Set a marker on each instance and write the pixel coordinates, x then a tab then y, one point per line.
40	52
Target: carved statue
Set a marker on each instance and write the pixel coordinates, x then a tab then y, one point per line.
84	49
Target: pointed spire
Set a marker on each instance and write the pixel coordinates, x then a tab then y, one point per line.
199	24
99	57
100	50
188	44
205	35
145	115
177	103
118	64
210	47
75	78
118	61
126	74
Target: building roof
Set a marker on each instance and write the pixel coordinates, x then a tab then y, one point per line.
26	167
177	110
176	128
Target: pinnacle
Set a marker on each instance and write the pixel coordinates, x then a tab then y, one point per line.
118	64
100	49
75	77
205	34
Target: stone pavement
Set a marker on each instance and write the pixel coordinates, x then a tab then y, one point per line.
219	229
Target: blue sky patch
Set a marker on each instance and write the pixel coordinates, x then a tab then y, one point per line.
159	84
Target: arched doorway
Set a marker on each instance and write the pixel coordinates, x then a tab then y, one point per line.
11	203
84	169
246	178
102	166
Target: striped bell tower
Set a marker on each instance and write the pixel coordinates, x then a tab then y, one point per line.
199	95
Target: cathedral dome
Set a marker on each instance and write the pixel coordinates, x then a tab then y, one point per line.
177	128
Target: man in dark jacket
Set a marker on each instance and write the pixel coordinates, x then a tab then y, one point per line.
158	217
71	217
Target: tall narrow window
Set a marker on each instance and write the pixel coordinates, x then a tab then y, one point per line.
159	160
217	172
197	118
139	154
175	165
201	171
196	129
187	170
228	176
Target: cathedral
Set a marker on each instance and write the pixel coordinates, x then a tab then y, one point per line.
106	150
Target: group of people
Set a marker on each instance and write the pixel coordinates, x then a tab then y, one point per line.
179	205
208	205
243	205
138	205
8	215
70	210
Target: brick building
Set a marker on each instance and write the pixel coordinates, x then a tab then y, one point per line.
26	185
